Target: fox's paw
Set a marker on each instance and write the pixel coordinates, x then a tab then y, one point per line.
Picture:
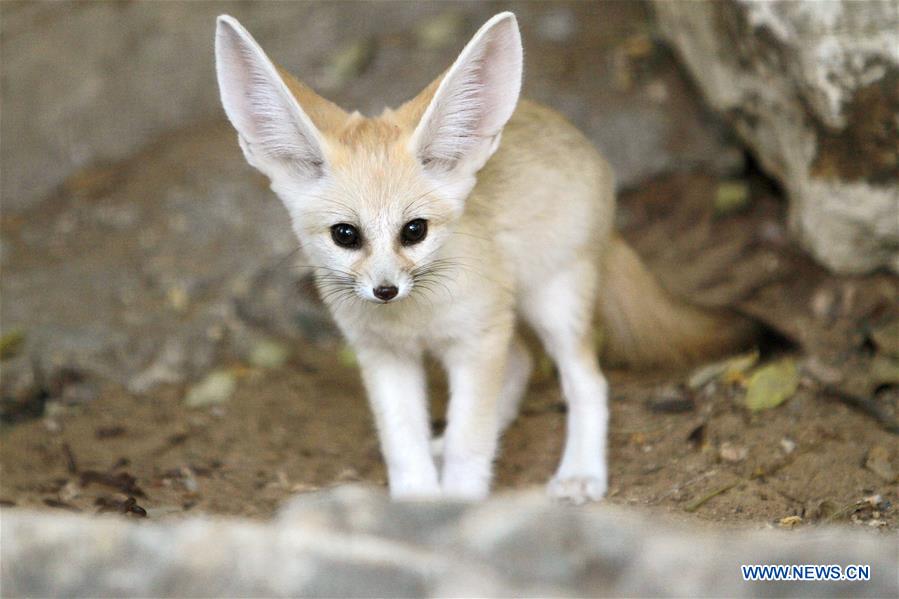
577	489
437	451
437	447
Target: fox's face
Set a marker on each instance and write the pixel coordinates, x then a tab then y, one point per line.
373	223
372	200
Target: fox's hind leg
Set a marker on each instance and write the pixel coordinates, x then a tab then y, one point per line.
560	310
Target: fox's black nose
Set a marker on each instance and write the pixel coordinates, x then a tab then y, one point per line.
386	292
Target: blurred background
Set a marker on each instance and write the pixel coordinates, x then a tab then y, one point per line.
160	345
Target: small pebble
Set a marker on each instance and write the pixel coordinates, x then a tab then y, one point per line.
788	445
441	31
216	388
732	453
557	26
269	354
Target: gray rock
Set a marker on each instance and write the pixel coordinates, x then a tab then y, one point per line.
813	88
216	388
150	264
267	353
353	542
97	298
73	99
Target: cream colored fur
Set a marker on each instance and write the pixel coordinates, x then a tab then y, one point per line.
519	207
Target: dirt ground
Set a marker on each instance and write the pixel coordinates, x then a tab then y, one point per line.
695	454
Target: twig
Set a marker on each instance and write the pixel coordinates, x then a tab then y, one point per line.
71	464
637	431
691	482
866	405
845	510
699	502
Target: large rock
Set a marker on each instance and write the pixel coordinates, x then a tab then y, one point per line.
153	271
813	88
88	83
353	542
150	264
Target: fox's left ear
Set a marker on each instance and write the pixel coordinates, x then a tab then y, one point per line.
461	126
273	128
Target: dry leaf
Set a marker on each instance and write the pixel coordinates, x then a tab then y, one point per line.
727	370
731	197
11	343
771	385
790	521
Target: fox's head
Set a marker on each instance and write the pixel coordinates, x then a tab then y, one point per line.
372	199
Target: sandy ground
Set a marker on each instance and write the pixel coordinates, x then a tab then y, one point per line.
126	259
696	455
306	426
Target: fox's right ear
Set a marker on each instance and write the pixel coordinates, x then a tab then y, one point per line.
473	101
271	124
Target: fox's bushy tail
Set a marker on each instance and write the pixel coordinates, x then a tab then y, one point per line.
643	325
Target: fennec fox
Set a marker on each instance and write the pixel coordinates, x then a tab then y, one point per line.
436	228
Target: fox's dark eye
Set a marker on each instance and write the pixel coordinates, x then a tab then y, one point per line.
414	231
346	236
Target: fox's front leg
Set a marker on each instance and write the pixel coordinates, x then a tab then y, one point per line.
395	382
475	369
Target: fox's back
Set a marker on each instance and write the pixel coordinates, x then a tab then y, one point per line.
545	197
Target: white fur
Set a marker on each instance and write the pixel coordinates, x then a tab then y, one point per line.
474	100
464	313
462	126
397	395
557	311
272	127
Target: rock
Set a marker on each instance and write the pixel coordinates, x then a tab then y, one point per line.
882	371
438	32
671	400
822	372
813	88
269	354
878	462
216	388
166	306
176	254
79	392
282	300
557	25
886	338
112	94
732	453
22	392
119	93
353	541
181	356
788	445
350	61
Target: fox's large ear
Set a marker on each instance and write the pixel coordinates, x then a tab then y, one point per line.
271	124
475	98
